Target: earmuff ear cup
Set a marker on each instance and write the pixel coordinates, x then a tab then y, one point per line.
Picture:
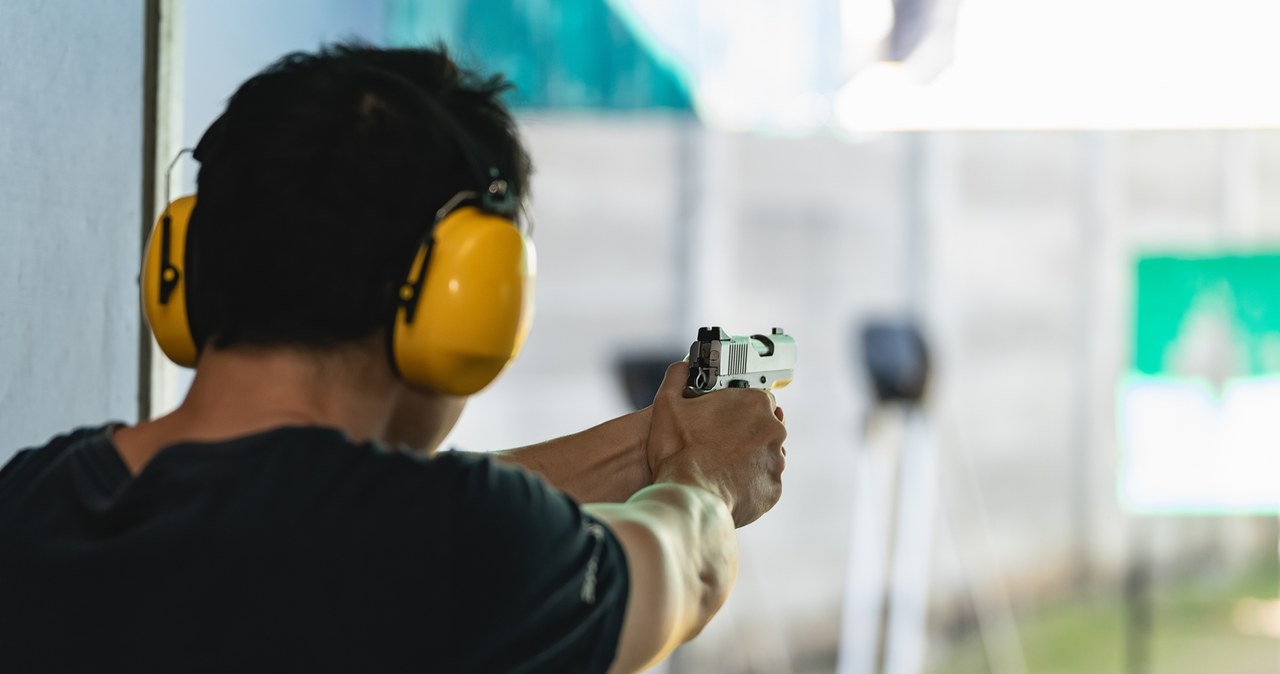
164	283
475	307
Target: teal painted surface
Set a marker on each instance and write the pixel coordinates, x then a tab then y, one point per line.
574	54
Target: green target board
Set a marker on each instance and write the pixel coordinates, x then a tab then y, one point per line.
1199	411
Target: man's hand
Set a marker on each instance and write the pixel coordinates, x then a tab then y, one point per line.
728	442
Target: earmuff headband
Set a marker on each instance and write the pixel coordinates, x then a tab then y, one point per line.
496	198
411	289
170	274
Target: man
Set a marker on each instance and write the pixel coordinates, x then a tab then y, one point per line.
269	524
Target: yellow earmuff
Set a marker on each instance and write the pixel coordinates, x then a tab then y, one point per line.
465	308
467	304
164	288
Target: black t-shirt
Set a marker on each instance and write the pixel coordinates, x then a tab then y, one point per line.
295	550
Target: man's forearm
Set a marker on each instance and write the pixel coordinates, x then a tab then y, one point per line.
682	555
603	464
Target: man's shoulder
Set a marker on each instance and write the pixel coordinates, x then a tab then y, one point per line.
492	485
453	471
476	483
32	459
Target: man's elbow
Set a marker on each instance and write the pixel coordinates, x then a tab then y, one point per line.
673	594
713	585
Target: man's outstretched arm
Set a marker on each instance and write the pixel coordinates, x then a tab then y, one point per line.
717	463
603	464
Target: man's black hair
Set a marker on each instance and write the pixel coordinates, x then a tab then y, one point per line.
319	180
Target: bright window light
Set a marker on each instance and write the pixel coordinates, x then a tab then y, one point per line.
1007	64
1049	64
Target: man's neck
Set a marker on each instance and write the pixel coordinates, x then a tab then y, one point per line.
242	391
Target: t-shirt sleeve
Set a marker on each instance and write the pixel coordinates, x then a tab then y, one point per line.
541	586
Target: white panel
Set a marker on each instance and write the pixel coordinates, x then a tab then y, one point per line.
70	208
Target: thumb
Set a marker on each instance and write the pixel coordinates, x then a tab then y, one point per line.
675	380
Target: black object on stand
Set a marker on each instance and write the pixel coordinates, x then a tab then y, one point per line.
894	509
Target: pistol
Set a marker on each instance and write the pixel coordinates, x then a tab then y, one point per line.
718	360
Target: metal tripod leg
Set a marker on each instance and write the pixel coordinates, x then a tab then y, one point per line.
885	522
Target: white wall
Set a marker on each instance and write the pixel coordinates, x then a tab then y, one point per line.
71	95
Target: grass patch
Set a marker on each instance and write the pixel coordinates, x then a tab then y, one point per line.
1193	632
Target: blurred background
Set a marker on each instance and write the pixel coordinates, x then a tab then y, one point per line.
1071	202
